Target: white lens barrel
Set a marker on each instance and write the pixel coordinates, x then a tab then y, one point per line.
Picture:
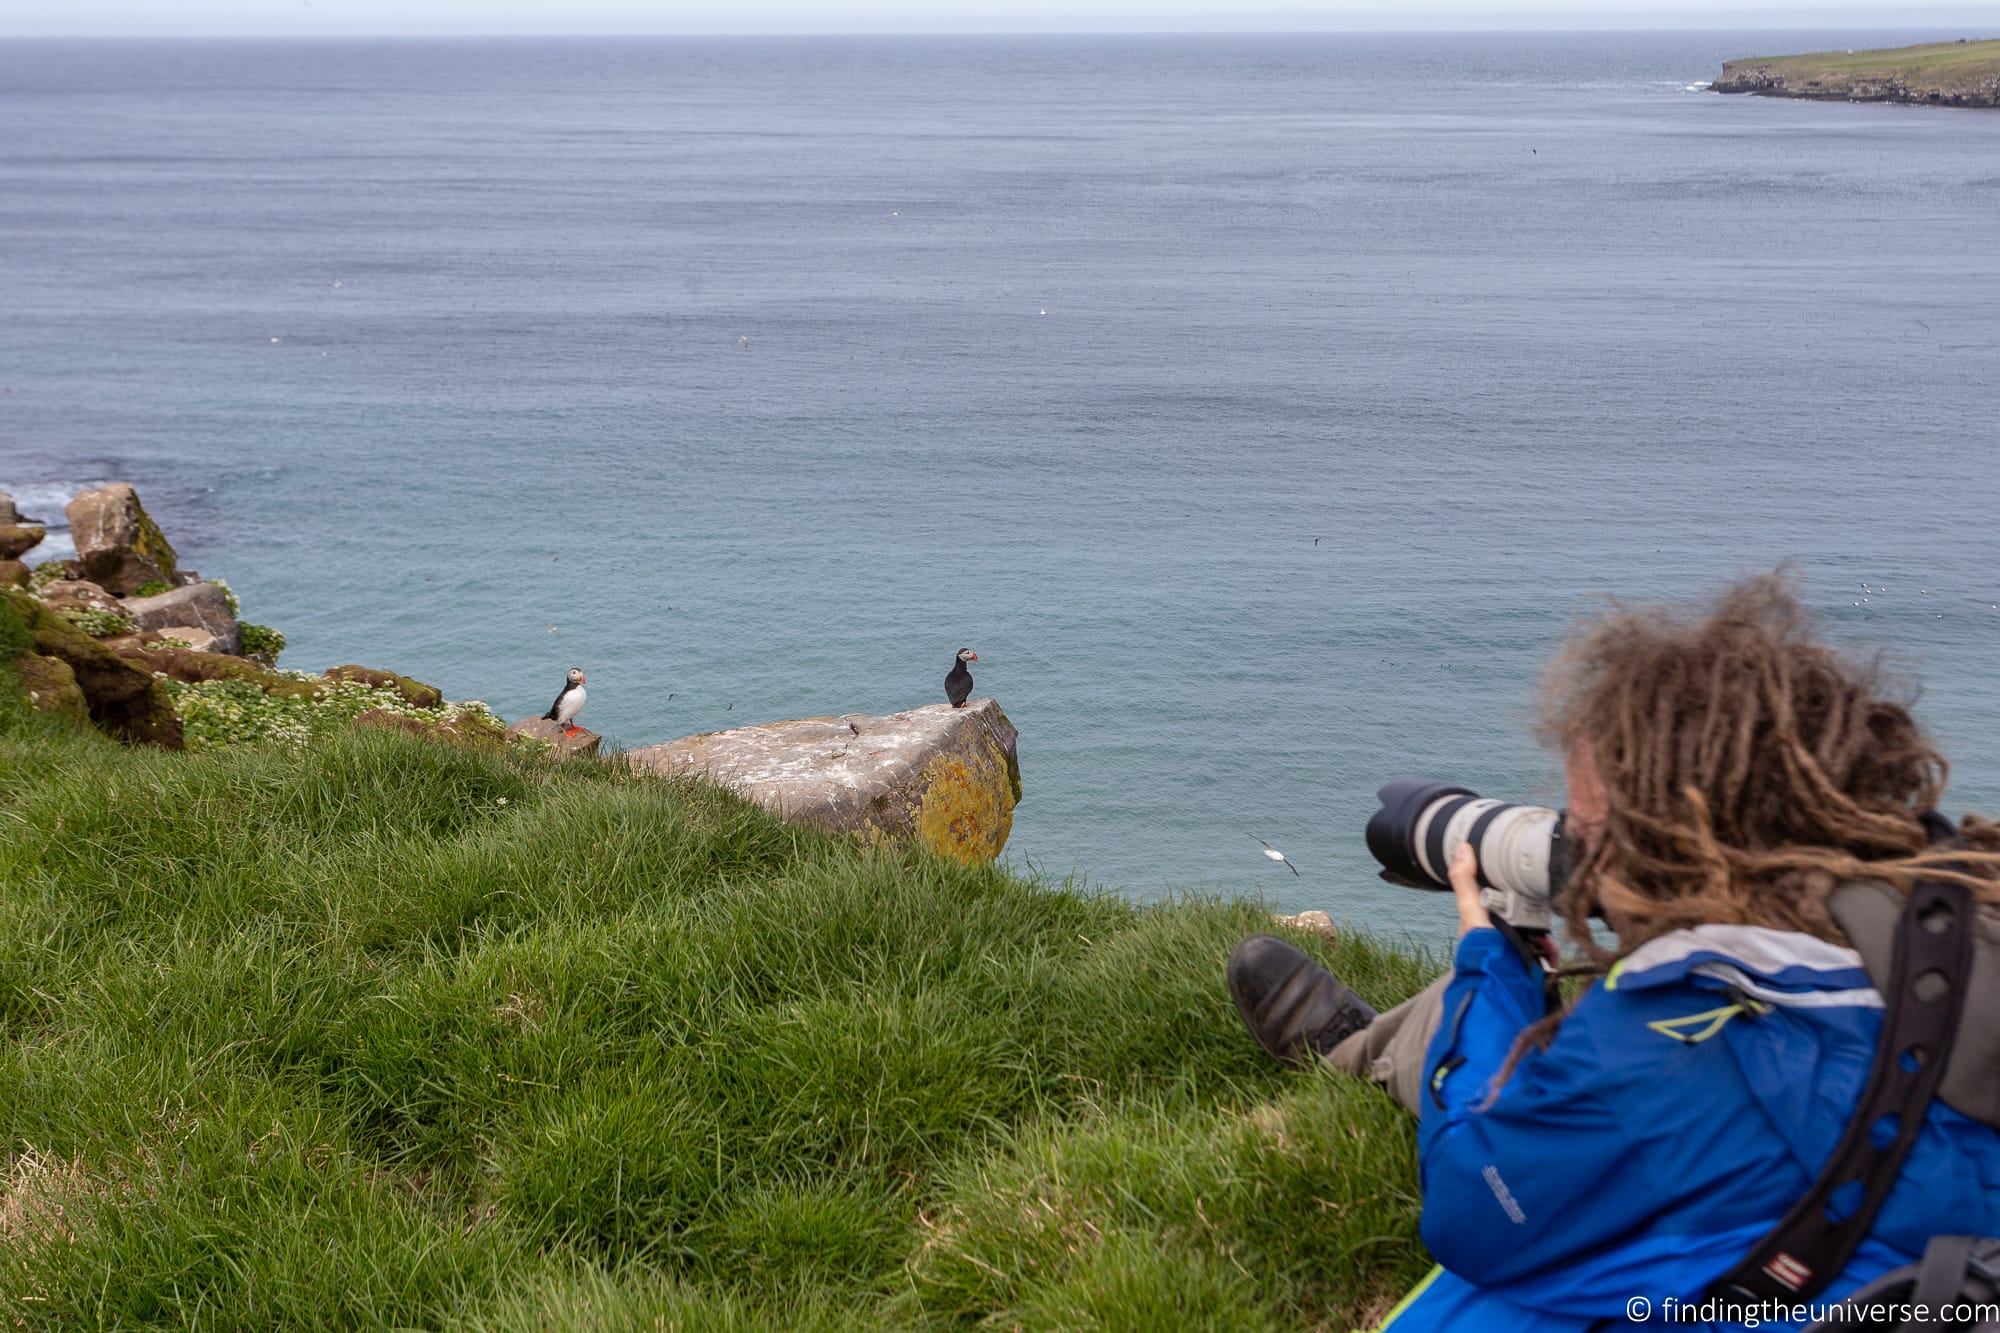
1513	849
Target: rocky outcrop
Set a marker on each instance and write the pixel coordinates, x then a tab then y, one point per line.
190	667
18	535
150	652
79	595
1960	74
117	542
415	693
582	743
121	697
947	777
202	606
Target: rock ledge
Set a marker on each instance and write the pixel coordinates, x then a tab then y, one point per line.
948	777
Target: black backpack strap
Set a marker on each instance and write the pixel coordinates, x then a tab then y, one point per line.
1942	1272
1524	943
1926	995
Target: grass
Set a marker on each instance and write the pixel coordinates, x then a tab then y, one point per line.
1947	66
388	1032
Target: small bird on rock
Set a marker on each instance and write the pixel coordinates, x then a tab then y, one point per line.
958	685
569	703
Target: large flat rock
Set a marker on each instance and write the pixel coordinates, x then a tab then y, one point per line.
947	777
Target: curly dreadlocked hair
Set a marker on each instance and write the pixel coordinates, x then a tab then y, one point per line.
1748	768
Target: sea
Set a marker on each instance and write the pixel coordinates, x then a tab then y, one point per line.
1262	410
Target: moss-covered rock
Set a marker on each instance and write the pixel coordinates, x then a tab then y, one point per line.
414	692
118	542
51	685
189	667
123	699
13	574
460	726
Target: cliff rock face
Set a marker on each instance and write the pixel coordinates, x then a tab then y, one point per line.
1963	74
117	541
947	777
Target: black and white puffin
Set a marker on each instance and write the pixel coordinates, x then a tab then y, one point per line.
569	703
958	685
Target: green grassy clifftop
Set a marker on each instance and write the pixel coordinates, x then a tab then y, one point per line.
386	1030
1963	73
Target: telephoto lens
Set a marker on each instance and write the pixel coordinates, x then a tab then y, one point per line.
1521	848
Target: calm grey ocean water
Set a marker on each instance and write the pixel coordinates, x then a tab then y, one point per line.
1260	409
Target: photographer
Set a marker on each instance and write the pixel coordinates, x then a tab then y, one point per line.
1738	792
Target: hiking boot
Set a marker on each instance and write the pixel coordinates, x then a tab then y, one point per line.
1295	1008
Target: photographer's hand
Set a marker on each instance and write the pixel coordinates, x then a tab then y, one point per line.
1465	887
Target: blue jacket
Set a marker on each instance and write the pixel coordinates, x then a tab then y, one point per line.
1686	1103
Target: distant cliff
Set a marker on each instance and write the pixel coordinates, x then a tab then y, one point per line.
1963	73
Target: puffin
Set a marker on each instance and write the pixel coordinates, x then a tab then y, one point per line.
958	685
569	703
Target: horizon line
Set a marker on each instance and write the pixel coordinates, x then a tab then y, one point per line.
611	35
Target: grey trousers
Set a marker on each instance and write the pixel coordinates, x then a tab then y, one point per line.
1390	1050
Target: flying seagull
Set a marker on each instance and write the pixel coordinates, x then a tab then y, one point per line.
1277	855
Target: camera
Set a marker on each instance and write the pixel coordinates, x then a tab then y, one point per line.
1522	849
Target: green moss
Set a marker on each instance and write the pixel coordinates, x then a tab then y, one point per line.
229	596
152	588
154	546
42	575
51	685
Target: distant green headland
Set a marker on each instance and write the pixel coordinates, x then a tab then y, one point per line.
1962	73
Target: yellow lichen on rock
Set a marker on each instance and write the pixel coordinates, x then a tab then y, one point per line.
967	808
946	777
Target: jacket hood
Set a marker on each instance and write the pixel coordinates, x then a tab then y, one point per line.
1782	967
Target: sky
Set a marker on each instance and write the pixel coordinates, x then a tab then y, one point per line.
302	18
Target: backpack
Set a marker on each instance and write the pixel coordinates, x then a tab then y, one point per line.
1935	955
1955	1286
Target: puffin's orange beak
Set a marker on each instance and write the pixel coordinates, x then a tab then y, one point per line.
972	657
581	678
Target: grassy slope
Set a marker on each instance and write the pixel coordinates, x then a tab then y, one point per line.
1942	65
392	1033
